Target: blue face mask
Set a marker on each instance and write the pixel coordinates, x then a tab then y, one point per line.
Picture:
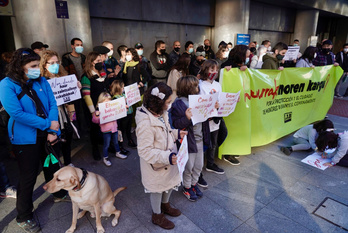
53	69
247	60
79	49
33	73
140	52
190	50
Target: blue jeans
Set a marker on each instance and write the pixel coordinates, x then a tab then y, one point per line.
107	138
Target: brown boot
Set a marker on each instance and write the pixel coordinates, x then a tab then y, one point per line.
162	221
167	209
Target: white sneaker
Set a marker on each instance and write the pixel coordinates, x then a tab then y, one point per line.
107	162
11	192
121	156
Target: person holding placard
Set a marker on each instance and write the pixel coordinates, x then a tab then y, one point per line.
50	68
109	131
156	141
198	135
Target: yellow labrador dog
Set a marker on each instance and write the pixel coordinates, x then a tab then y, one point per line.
89	192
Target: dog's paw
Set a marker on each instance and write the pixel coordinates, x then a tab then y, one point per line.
100	230
70	230
114	222
92	214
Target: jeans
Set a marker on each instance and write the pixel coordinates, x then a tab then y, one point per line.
107	138
4	181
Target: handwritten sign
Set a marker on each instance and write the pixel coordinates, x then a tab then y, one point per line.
227	102
112	110
182	156
316	160
292	53
65	89
132	94
202	107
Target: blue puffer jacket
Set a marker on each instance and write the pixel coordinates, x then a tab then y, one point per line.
23	123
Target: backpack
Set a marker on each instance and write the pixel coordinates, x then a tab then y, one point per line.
4	117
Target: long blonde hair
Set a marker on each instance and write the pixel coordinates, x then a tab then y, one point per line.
116	87
103	96
47	55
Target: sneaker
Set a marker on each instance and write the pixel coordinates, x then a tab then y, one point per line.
66	198
201	182
231	159
197	191
124	151
11	192
29	226
236	156
121	156
214	168
190	194
107	162
286	150
132	144
338	96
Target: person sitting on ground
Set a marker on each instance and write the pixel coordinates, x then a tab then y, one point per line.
339	142
272	61
304	139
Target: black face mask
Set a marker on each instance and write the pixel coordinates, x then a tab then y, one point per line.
326	51
177	49
200	62
98	66
206	47
163	51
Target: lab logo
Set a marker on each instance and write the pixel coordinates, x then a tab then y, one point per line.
287	117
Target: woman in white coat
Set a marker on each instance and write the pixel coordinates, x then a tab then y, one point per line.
156	141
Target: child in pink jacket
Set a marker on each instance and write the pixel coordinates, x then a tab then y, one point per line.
109	131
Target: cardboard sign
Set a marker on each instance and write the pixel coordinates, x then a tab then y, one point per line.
112	110
132	94
227	102
202	107
292	53
315	160
65	89
182	156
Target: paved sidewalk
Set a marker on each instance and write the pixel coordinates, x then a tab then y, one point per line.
268	192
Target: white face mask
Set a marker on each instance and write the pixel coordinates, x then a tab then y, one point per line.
225	54
315	55
110	53
269	49
140	52
345	50
128	57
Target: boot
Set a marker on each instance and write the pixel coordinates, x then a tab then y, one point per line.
162	221
167	209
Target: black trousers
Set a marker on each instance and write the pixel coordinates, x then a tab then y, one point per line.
344	161
28	159
210	153
125	125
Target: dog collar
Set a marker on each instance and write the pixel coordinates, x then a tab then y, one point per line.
82	181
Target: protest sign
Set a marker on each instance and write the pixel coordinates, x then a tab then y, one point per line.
292	53
227	102
65	89
275	103
132	94
315	160
182	156
202	107
112	110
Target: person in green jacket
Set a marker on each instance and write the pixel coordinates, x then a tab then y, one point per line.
272	61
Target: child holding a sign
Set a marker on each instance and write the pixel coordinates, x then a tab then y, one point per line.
198	135
109	131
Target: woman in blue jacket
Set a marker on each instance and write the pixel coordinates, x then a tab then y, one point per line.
29	101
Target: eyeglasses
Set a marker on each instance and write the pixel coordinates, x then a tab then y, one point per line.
52	63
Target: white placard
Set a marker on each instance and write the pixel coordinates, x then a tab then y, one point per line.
316	160
132	94
292	53
112	110
202	107
182	156
227	102
65	89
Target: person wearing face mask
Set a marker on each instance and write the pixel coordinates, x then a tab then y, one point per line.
74	61
94	82
29	100
222	54
307	58
180	69
342	60
50	68
254	59
209	53
175	54
267	44
189	49
272	61
111	64
159	63
144	62
39	47
325	56
197	63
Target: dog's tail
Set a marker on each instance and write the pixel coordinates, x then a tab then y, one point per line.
119	190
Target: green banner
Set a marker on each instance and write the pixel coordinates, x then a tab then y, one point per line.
275	103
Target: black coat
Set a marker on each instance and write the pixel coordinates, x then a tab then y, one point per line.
136	74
